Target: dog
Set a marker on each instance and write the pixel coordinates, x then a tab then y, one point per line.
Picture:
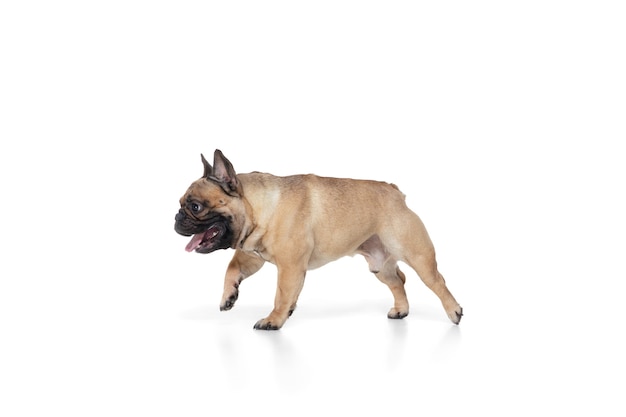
302	222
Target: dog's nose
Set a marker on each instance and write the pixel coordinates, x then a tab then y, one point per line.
180	215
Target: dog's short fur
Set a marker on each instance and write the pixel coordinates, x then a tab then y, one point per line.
302	222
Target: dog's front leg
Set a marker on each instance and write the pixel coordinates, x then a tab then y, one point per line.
290	283
240	267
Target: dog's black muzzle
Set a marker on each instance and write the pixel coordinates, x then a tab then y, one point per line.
187	226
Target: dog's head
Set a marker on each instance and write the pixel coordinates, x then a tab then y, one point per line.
211	209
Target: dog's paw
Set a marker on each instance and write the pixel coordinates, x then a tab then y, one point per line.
266	324
456	315
394	313
228	301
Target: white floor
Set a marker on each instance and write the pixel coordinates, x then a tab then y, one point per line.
503	126
135	329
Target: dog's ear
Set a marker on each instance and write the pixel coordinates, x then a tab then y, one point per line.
208	169
225	174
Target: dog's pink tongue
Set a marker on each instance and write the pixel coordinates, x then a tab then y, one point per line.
194	242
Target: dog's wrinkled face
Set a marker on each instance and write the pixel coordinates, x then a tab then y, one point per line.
203	213
205	209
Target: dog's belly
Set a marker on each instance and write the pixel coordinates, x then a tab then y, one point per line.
321	256
319	260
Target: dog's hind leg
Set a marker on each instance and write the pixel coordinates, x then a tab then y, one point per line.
426	267
240	267
387	271
413	246
394	279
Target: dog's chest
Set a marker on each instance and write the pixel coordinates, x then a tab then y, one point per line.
263	255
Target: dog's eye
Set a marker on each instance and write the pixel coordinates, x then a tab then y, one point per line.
195	207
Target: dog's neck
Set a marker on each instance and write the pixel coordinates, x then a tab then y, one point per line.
248	227
260	197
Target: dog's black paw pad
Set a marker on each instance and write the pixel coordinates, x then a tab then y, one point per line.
292	310
397	314
459	314
230	302
262	325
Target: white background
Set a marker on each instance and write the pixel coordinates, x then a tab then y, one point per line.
503	123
